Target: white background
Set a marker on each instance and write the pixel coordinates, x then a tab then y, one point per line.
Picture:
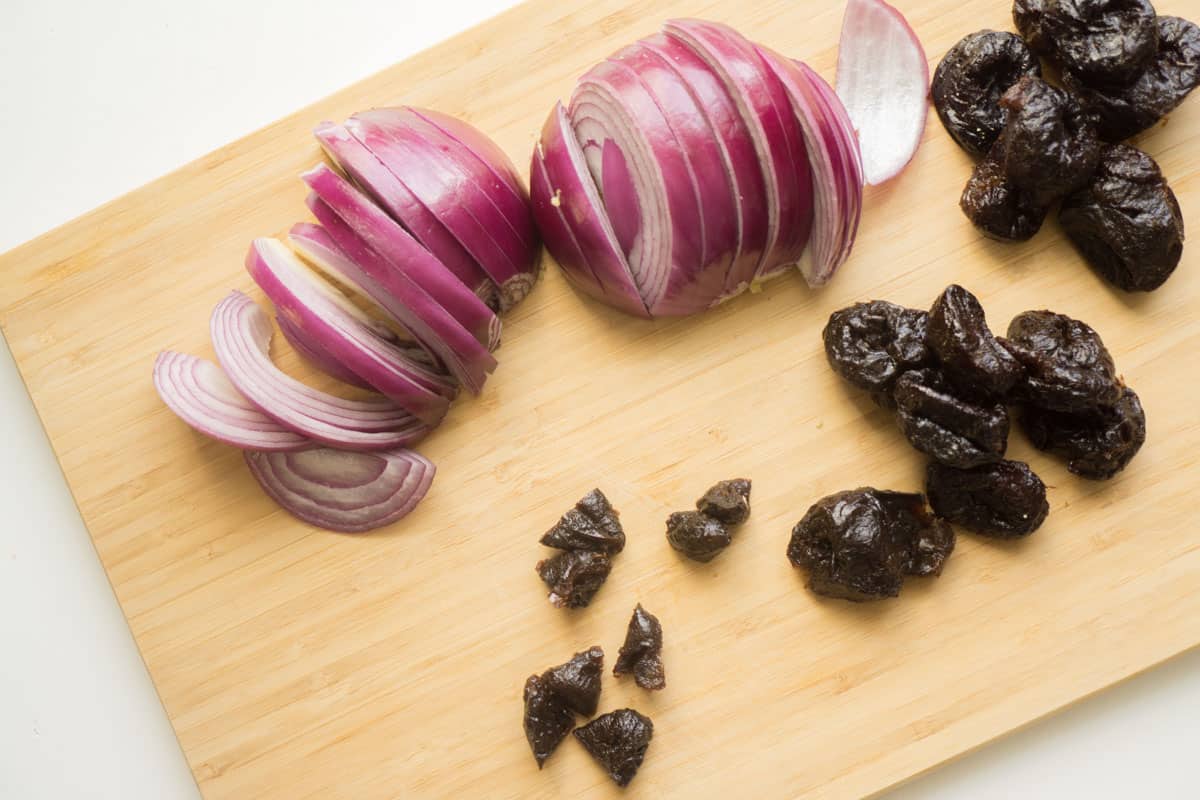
97	98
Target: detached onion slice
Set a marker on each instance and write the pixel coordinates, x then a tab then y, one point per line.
883	78
344	491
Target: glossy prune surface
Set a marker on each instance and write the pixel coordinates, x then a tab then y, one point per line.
1067	366
1050	143
574	577
593	525
577	681
970	357
1005	500
641	654
618	741
872	344
1098	443
947	427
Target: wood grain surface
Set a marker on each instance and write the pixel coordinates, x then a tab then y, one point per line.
295	663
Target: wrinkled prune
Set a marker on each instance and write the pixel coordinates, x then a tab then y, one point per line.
858	545
1106	41
1067	366
727	501
1124	111
1006	500
1030	17
871	344
574	577
593	525
548	719
618	741
577	682
1126	221
945	427
1098	443
1051	146
996	206
641	654
971	358
698	536
969	81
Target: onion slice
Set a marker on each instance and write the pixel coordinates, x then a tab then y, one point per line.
314	354
344	491
883	79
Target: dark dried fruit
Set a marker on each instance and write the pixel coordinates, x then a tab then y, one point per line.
641	654
971	358
1030	17
577	682
727	501
1067	366
1126	221
698	536
1097	444
996	206
969	81
1051	146
574	577
548	719
618	741
1106	41
592	525
1006	500
871	344
859	545
949	429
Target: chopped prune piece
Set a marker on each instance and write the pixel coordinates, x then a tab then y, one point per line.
577	682
618	741
932	539
574	577
641	654
1107	41
1030	18
1067	366
969	81
1098	443
997	207
949	429
593	525
696	535
1126	221
1006	500
548	719
971	358
727	501
1051	146
871	344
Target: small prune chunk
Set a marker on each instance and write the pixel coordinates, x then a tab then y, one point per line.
548	719
1126	221
593	525
969	81
1051	146
696	535
947	428
997	207
1067	366
1098	443
641	654
727	501
971	358
574	577
1106	41
618	741
932	540
577	682
871	344
1030	17
1006	500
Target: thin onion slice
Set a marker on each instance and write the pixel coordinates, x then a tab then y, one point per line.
344	491
315	355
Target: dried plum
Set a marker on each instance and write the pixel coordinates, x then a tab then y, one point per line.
698	536
969	81
1126	221
577	682
574	577
548	719
1051	146
996	206
1006	500
949	429
1098	443
1067	366
971	358
871	344
618	741
1105	41
727	501
592	525
932	540
641	654
1030	17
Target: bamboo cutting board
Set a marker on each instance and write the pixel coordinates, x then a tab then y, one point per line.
295	663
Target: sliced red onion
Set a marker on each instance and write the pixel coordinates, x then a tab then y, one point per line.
312	352
201	395
344	491
883	79
851	152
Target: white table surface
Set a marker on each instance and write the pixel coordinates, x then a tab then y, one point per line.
98	98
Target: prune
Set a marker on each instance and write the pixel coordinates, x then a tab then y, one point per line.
577	682
727	501
592	525
1005	500
548	719
858	545
574	577
871	344
1105	41
1098	443
969	81
1126	221
1051	146
641	654
1030	17
698	536
971	358
1124	111
1067	366
618	741
996	206
949	429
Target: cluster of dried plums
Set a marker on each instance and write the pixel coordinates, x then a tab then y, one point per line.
950	381
1124	69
